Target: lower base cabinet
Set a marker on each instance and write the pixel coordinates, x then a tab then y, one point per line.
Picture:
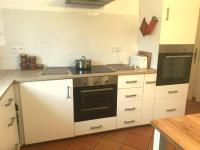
9	137
169	107
94	126
47	109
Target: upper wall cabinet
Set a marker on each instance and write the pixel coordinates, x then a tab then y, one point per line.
179	21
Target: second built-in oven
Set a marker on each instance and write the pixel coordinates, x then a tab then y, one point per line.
174	64
95	97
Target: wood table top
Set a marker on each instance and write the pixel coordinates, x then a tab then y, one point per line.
183	131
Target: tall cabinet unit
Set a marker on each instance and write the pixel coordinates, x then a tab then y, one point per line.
177	24
179	21
47	109
9	137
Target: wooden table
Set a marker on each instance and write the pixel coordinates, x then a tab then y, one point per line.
183	132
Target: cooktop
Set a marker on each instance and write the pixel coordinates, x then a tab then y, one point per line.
120	67
94	69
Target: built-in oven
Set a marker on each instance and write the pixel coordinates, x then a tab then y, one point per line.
174	64
95	97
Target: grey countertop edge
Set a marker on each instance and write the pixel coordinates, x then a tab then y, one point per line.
18	76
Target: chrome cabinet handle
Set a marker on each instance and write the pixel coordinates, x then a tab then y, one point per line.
167	16
9	102
195	56
68	93
130	109
150	82
172	92
128	122
12	121
169	110
128	96
131	82
96	127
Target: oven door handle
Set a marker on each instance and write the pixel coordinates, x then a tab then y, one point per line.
183	56
97	90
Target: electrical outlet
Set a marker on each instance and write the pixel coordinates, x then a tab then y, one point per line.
116	49
21	50
14	50
17	50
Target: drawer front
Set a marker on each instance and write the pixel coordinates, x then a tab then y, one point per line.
150	80
130	81
130	94
124	121
93	126
7	116
129	108
8	98
171	90
165	107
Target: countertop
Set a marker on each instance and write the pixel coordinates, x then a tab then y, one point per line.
183	131
7	77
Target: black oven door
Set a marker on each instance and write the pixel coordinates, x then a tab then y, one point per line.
95	102
174	68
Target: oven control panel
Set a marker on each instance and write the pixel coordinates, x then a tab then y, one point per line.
94	81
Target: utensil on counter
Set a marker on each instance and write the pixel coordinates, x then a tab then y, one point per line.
83	63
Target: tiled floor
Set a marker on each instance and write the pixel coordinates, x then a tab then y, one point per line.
136	138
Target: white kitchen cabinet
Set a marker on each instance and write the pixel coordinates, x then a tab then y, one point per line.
148	98
47	108
9	137
170	100
174	90
169	107
94	126
130	81
179	21
129	100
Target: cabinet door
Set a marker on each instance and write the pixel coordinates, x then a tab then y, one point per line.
169	107
148	98
179	21
47	108
9	137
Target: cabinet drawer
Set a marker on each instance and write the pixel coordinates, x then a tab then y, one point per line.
169	107
128	120
150	80
129	108
130	81
130	94
171	90
8	98
93	126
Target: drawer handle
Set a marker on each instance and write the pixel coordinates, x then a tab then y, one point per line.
128	122
131	82
130	109
12	119
9	102
96	127
150	82
172	92
128	96
170	110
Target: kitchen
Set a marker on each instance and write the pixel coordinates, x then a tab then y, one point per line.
124	100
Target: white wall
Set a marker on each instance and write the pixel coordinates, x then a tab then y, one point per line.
150	43
58	37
